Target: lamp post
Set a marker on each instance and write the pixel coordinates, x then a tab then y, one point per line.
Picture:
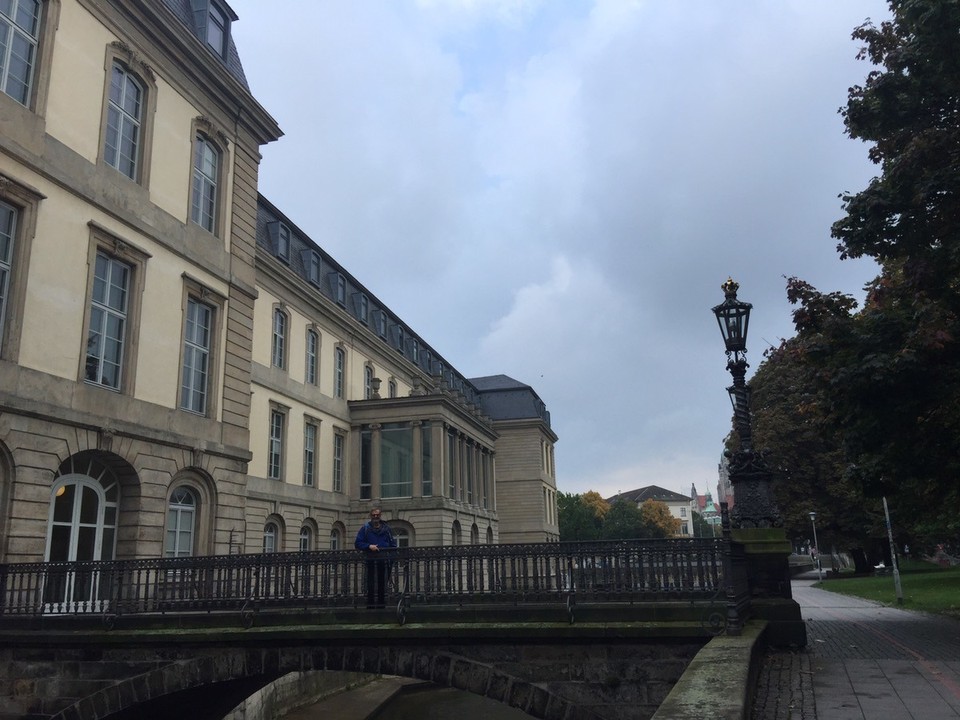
813	521
754	505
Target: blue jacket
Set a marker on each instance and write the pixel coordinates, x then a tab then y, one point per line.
368	535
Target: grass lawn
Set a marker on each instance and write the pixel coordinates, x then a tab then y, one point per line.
926	587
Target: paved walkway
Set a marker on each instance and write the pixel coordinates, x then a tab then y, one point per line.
863	661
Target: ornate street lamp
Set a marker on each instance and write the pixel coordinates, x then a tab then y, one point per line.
754	505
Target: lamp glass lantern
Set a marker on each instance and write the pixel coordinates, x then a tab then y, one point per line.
733	316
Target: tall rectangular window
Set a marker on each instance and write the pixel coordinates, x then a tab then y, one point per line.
367	382
468	471
339	360
426	452
366	453
206	164
196	357
337	462
124	112
8	231
364	309
278	348
283	242
341	289
19	37
309	454
452	465
275	447
396	460
217	29
313	348
108	322
313	268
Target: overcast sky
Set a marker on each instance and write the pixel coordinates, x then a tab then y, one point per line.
556	191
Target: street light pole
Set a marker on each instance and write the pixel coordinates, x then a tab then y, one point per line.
754	504
813	521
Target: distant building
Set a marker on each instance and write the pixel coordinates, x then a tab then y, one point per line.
679	504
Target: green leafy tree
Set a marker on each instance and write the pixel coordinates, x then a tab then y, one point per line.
578	520
879	388
624	521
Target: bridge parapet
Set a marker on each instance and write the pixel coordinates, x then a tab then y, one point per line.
563	574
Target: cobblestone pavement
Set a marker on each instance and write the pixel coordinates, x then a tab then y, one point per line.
863	661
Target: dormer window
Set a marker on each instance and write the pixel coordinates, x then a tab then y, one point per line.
415	351
399	338
364	309
218	29
313	268
382	324
341	289
280	240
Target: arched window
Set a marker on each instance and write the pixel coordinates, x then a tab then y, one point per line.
278	356
306	539
311	362
339	362
335	539
206	174
455	533
474	535
181	523
402	537
270	536
123	145
489	536
82	525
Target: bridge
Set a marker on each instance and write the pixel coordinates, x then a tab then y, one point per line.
565	631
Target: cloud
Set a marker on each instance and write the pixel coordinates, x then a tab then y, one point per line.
556	191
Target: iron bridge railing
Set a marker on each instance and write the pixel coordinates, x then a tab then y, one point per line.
597	572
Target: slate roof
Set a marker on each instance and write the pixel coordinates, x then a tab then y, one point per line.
503	398
650	492
183	9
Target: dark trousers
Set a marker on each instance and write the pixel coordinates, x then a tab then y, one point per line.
377	571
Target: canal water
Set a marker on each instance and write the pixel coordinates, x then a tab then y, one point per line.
432	702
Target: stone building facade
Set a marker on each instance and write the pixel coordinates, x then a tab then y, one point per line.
182	370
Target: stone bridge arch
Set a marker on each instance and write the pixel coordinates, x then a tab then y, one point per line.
212	682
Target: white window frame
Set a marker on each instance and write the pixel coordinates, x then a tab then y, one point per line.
278	345
179	538
197	346
275	446
14	34
312	361
311	435
339	441
204	199
339	370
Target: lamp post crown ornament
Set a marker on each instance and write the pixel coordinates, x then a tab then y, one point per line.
730	288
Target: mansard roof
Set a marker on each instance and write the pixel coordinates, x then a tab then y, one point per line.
322	280
503	398
190	12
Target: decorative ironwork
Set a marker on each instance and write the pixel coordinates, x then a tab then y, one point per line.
546	573
750	477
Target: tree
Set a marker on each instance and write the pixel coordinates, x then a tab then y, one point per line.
593	500
658	521
882	384
623	522
909	111
578	520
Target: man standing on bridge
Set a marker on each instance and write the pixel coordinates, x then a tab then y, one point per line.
373	537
